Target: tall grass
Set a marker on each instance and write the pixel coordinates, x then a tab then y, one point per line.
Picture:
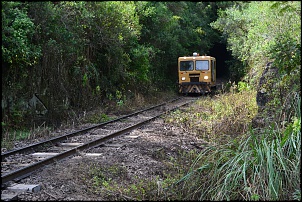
261	165
220	118
10	137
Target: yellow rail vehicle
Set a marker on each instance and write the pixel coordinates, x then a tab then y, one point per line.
196	74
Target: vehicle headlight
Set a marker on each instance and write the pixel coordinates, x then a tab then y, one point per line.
205	77
183	78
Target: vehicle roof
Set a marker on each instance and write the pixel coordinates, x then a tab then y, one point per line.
196	57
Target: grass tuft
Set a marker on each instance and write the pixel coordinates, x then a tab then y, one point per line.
261	165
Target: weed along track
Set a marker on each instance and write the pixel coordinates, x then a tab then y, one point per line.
20	163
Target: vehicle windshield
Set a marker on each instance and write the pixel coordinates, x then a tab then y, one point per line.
186	65
202	65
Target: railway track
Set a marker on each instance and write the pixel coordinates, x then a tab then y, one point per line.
20	163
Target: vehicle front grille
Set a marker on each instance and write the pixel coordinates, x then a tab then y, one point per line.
194	79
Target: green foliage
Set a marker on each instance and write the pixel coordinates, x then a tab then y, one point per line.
286	54
85	79
102	176
174	29
140	64
19	54
243	86
17	32
120	98
237	69
286	51
107	45
256	31
97	118
262	165
11	134
220	119
88	51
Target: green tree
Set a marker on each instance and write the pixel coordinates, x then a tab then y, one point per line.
174	29
253	29
17	32
19	55
78	53
285	51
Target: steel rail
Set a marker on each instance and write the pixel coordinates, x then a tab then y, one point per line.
26	171
63	137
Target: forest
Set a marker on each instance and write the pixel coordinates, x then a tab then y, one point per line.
76	55
60	58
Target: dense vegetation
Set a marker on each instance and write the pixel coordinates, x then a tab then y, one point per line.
240	163
258	161
76	55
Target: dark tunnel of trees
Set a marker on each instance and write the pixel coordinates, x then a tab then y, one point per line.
221	54
75	55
